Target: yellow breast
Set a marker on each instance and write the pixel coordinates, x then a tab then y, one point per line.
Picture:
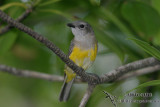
83	58
78	55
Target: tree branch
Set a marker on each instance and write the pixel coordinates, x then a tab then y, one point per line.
90	78
50	77
33	74
87	95
78	70
140	72
20	18
115	74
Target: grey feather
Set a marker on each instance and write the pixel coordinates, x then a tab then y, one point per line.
71	47
65	91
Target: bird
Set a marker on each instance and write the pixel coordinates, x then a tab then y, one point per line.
82	51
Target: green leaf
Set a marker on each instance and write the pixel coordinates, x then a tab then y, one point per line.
110	43
147	47
110	16
156	40
96	2
4	7
6	42
142	17
48	2
146	84
69	17
156	5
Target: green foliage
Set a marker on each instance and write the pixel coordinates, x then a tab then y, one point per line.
6	42
47	2
67	16
96	2
156	4
113	22
147	47
143	18
9	5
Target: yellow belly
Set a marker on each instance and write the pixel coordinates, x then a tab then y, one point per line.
79	56
83	58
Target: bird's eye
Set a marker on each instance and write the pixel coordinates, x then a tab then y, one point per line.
81	26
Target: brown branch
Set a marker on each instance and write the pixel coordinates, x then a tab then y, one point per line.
44	76
79	71
87	95
20	18
33	74
90	78
115	74
140	72
55	78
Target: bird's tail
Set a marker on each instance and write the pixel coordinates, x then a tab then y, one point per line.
65	91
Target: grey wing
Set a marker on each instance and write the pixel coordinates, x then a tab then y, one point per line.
71	47
70	50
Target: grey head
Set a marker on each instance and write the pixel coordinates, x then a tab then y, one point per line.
81	29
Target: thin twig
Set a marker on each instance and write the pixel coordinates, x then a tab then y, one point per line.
90	78
140	72
115	74
56	78
20	18
33	74
87	95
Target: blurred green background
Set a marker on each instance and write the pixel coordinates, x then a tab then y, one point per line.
114	22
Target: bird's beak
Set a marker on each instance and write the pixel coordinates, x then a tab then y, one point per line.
71	25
